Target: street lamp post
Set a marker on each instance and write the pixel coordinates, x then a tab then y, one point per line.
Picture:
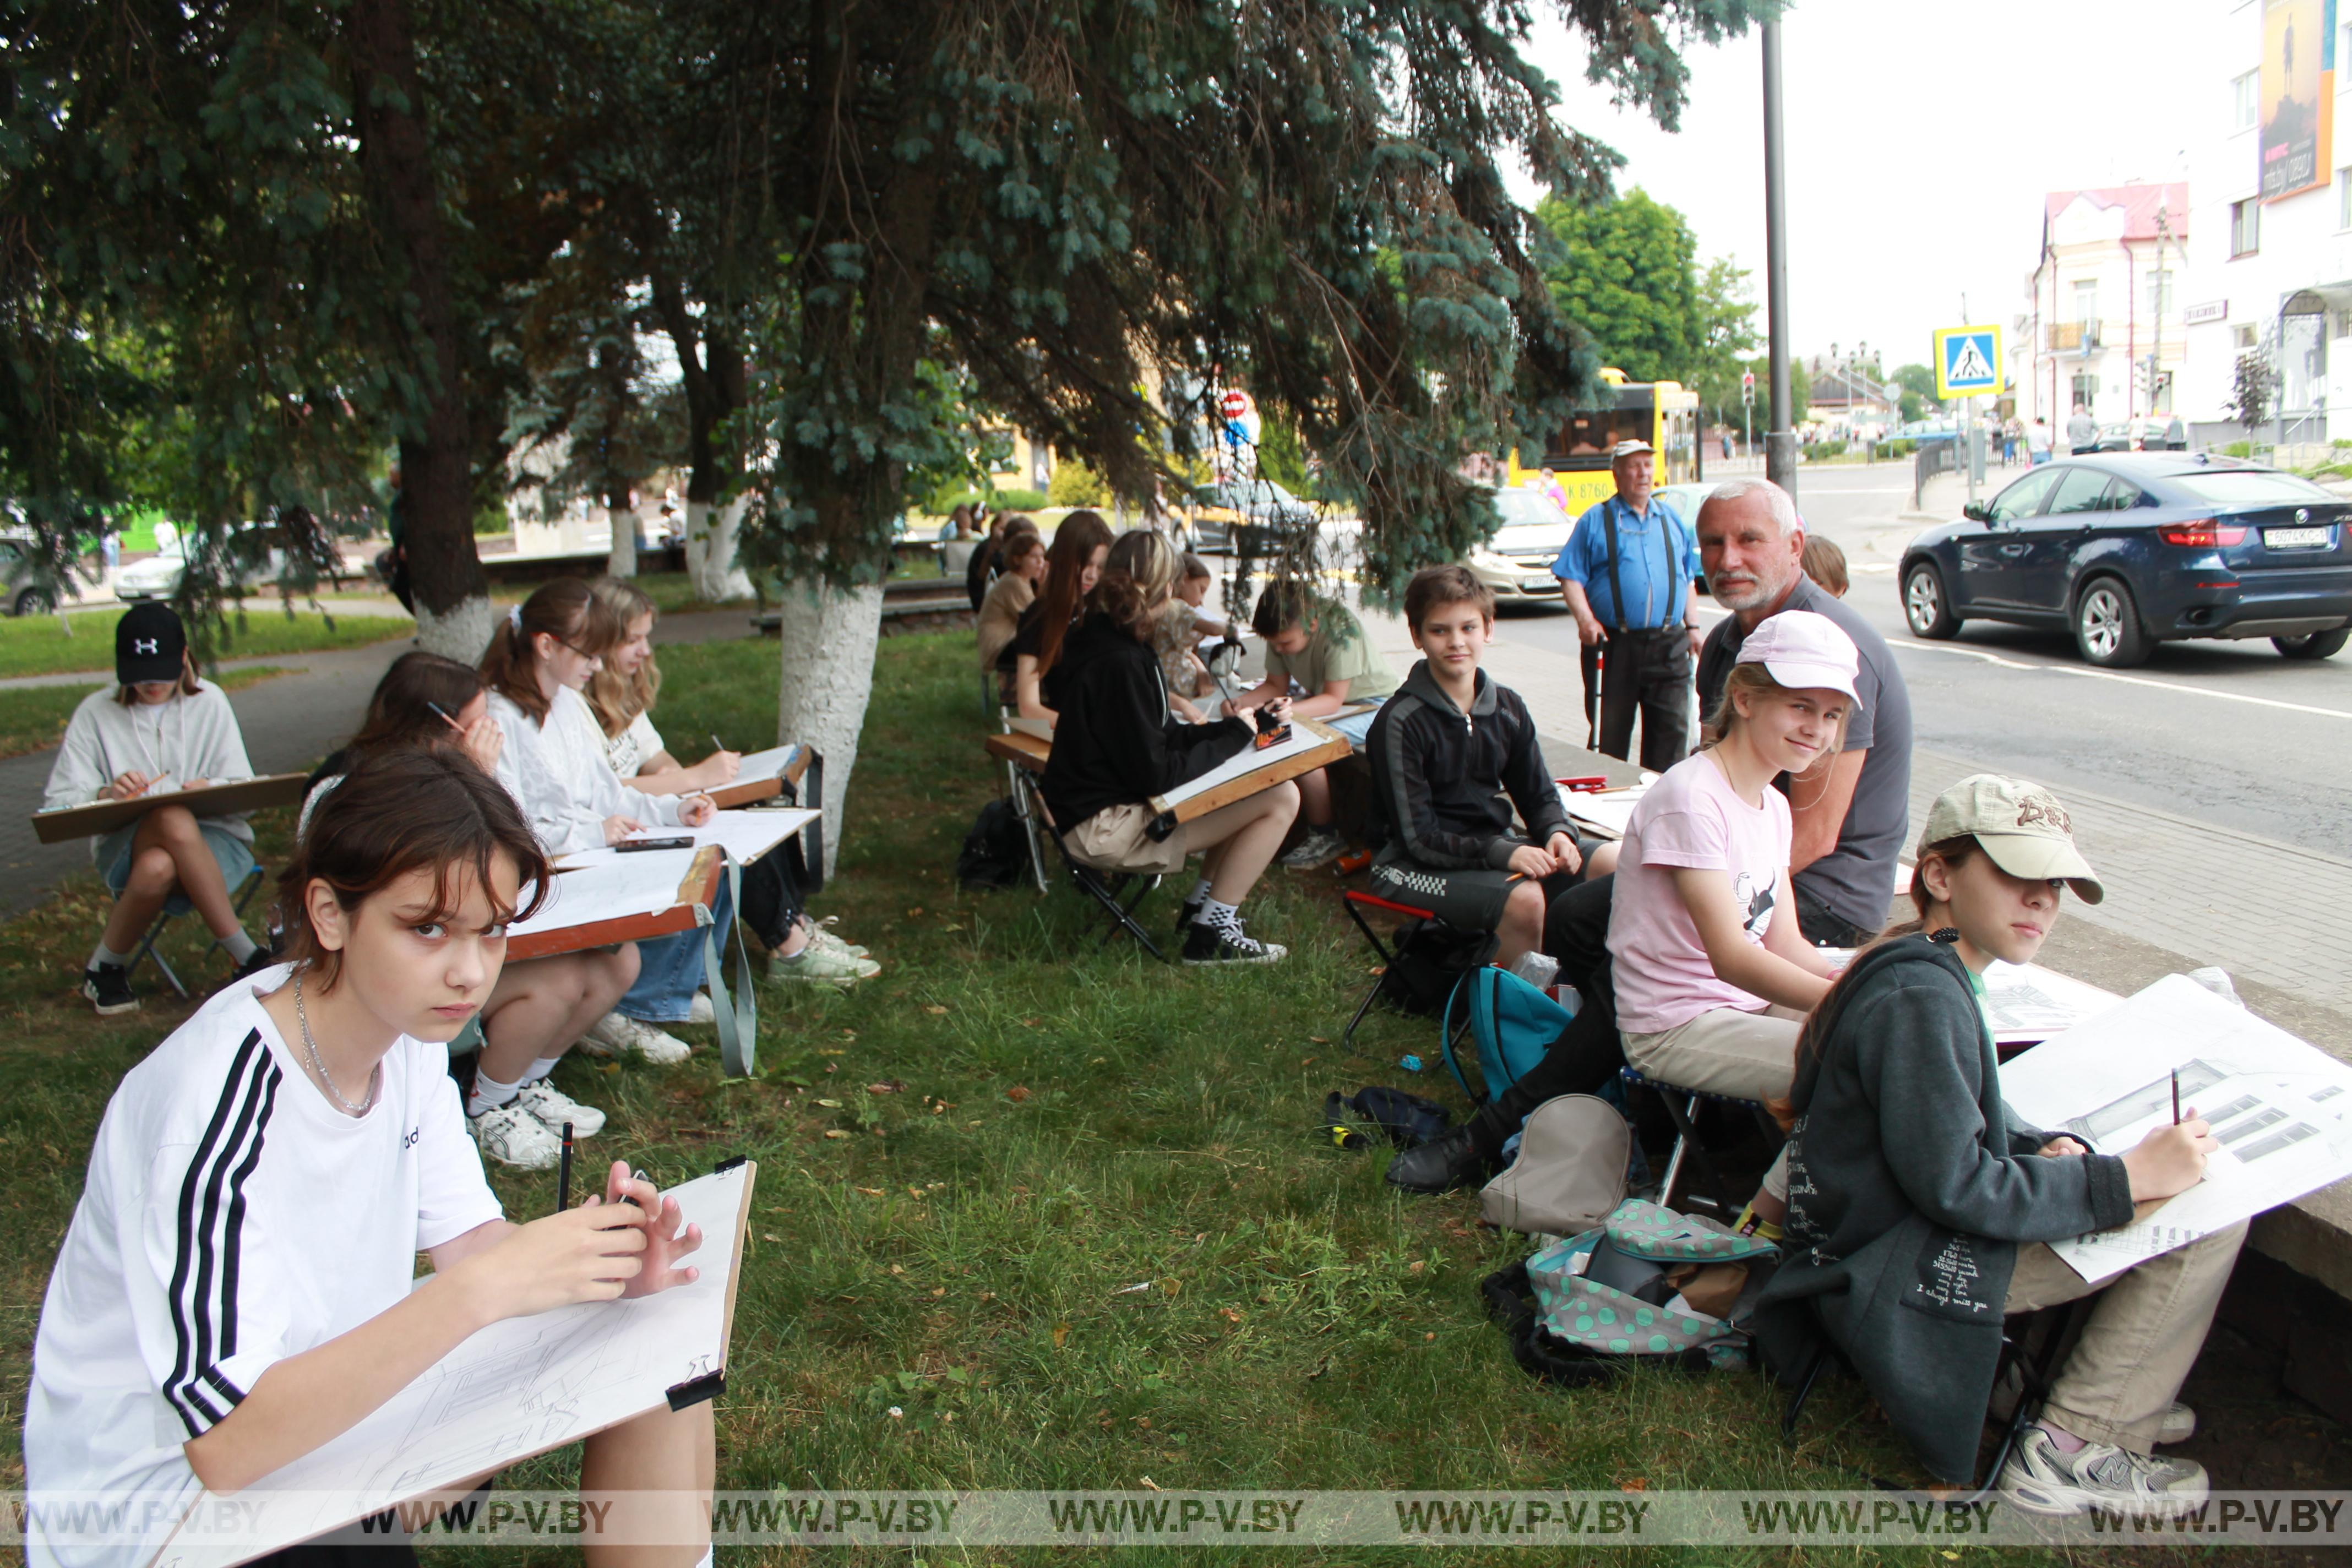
1779	440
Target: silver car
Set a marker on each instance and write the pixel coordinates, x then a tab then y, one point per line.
1516	563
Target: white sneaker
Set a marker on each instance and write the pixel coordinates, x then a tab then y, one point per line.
1317	846
820	965
513	1136
552	1108
821	935
622	1035
702	1012
2040	1478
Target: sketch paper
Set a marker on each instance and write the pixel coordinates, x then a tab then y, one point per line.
744	834
518	1388
1040	729
1305	735
2278	1106
1356	727
1610	811
2024	1001
611	889
768	765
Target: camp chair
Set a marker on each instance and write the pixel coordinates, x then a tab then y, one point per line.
1016	781
1357	904
2031	1346
1109	889
1681	1105
239	896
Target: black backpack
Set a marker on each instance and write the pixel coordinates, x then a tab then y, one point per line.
995	853
1430	958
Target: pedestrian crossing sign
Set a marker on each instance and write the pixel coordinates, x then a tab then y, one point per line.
1967	361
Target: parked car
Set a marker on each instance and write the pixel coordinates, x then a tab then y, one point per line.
158	576
1516	563
2131	550
1221	509
21	599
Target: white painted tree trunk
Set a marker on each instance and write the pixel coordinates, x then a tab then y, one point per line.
828	639
711	541
463	634
622	562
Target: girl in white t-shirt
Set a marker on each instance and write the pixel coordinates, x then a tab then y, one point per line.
237	1286
553	763
622	695
1713	976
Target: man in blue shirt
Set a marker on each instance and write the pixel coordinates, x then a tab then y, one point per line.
1626	573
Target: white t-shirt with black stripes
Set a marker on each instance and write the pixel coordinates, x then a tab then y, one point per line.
231	1218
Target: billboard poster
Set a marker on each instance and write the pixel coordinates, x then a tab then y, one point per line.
2299	94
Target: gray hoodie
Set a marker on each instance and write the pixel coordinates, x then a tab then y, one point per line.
183	738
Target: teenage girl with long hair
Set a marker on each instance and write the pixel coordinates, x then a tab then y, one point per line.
620	694
263	1179
537	1010
1117	747
1920	1206
1074	562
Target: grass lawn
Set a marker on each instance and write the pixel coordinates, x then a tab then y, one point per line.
33	717
35	645
1034	1125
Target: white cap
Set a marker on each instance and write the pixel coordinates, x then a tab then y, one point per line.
1627	448
1804	652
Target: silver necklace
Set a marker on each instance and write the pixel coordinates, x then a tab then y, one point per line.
375	1074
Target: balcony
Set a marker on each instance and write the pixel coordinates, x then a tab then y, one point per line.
2080	336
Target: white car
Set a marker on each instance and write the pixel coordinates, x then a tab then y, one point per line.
158	576
1516	563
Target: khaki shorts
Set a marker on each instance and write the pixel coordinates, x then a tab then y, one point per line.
1113	840
1748	1056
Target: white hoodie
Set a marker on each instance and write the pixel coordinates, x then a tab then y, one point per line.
559	775
181	738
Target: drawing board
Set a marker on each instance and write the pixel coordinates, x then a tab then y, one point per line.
1609	812
518	1388
613	889
1308	746
233	798
2281	1108
744	834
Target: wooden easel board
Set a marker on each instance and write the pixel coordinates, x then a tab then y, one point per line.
604	905
1024	752
231	799
516	1389
1312	746
763	776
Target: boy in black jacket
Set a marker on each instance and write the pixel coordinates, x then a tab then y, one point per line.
1445	751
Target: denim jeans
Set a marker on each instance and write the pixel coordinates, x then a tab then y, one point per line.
670	968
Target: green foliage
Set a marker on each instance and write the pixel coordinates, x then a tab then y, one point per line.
2250	390
1075	484
1627	274
1919	385
1825	449
39	645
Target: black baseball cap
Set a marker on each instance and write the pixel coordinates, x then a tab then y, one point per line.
149	644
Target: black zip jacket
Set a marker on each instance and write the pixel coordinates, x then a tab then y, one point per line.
1446	781
1910	1186
1115	743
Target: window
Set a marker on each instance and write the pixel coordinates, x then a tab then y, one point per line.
2253	487
2245	226
2122	496
2087	391
2081	489
2086	300
2160	290
2245	337
2244	95
2024	498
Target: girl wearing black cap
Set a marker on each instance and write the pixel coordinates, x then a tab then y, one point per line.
161	729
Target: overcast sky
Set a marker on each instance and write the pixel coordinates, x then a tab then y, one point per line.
1919	142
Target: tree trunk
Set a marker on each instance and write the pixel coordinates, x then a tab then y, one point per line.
828	637
436	451
623	561
711	534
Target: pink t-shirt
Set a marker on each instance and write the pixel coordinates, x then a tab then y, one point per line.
1689	817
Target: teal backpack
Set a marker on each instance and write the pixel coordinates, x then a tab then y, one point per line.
1606	1291
1514	1024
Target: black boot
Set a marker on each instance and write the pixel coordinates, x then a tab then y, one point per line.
1457	1159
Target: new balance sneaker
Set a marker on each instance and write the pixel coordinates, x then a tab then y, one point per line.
1319	847
552	1108
818	965
108	986
2040	1478
620	1035
513	1136
1229	943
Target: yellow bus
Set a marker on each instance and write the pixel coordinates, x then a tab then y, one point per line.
1662	412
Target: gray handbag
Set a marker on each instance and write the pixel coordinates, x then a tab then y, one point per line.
1570	1172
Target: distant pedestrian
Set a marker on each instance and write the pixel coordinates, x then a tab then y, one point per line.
2175	436
2037	441
1726	446
1626	573
2082	431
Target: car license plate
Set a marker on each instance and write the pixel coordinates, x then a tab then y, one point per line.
2295	538
1546	584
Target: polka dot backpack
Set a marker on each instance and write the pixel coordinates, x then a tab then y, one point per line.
1651	1282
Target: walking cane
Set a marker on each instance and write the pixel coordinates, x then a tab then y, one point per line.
1592	698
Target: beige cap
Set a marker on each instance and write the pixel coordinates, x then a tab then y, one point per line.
1627	448
2021	824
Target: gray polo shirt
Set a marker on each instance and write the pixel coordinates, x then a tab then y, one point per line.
1856	881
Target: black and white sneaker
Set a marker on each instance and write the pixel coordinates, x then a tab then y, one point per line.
1207	944
108	986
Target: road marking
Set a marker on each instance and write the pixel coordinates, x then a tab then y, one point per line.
1994	658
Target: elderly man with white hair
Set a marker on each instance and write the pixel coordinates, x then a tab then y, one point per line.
1851	815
